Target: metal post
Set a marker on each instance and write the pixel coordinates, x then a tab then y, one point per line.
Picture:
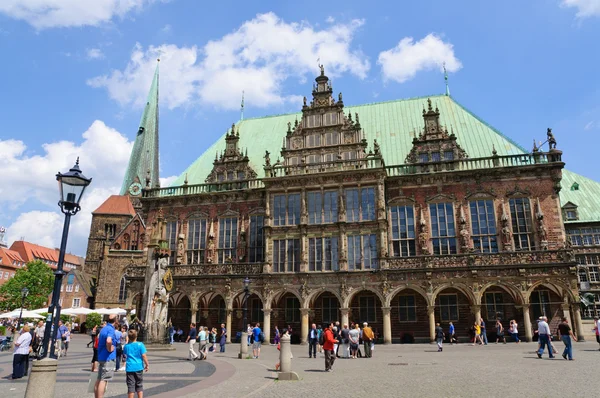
54	310
21	312
244	333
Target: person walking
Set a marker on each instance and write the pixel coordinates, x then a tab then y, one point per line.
107	354
354	337
477	332
135	366
171	330
67	338
213	336
277	338
566	334
61	335
439	337
452	334
544	338
21	353
514	331
328	344
367	337
191	339
257	340
313	341
483	331
499	332
597	330
223	337
203	337
93	334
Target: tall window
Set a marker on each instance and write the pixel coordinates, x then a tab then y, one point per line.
76	303
360	204
323	254
257	239
322	207
135	236
443	231
123	290
494	304
582	275
292	309
362	252
407	309
227	239
540	303
448	305
172	239
286	255
520	212
403	231
196	241
286	209
594	274
256	314
366	311
331	309
483	223
329	119
313	140
222	311
584	236
315	205
330	206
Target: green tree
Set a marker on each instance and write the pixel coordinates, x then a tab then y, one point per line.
92	319
35	276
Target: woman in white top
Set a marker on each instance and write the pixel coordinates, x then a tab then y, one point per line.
514	332
21	353
67	338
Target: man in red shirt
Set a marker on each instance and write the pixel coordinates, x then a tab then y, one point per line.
328	342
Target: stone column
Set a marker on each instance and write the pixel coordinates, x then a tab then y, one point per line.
194	311
285	360
387	325
567	313
431	313
345	312
527	323
304	326
578	324
228	325
42	379
476	311
267	326
243	345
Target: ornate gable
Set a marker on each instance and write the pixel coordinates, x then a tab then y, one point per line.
232	164
434	143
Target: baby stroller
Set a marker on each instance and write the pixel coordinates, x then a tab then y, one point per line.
5	344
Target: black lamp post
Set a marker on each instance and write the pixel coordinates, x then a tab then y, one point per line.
245	302
24	293
71	185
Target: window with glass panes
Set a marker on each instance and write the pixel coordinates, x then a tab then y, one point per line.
123	289
257	239
593	274
222	311
520	213
584	236
483	225
227	239
494	305
323	254
292	309
443	230
256	313
196	241
448	307
172	239
330	209
315	205
362	252
407	309
582	274
367	310
286	209
403	231
540	303
286	255
360	204
330	309
313	140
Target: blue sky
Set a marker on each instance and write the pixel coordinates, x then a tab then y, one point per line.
75	74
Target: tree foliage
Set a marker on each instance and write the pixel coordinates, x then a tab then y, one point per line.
92	319
36	276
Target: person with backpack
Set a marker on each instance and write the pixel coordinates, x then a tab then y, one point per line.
258	337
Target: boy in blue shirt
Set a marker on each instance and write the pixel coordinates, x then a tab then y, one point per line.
136	364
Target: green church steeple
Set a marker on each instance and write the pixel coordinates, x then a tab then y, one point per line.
143	162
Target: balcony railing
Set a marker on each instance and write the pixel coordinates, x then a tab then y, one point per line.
203	188
491	162
544	257
217	269
280	170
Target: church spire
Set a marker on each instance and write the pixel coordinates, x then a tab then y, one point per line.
143	162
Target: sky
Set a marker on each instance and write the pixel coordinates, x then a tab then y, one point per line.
76	73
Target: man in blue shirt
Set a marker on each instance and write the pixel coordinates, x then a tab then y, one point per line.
61	336
256	334
107	353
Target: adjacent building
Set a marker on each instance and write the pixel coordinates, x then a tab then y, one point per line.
400	214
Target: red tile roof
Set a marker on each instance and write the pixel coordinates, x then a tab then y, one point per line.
7	257
117	205
30	251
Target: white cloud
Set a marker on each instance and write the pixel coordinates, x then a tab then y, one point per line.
585	8
167	181
402	62
589	125
94	53
104	155
330	19
257	58
43	14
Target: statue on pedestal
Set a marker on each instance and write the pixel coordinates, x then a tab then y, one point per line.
156	319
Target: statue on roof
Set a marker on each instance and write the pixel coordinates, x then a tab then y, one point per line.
376	148
551	139
304	100
267	159
340	97
322	69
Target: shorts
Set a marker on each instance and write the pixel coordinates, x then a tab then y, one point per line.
106	370
135	381
256	345
598	338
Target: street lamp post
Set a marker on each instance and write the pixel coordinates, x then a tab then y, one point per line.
24	293
244	334
71	185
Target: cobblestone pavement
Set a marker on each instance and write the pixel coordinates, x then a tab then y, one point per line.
394	371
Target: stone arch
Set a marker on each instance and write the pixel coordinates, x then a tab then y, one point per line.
512	290
394	292
350	297
277	295
325	312
310	300
500	301
180	310
464	289
557	287
238	294
212	309
365	305
132	301
547	301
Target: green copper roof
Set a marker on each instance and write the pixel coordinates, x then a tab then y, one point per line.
144	155
392	124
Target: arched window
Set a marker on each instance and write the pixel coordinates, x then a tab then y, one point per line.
135	236
122	290
126	242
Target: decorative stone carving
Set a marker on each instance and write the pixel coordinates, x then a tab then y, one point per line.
231	166
506	230
423	235
542	233
180	249
465	237
156	314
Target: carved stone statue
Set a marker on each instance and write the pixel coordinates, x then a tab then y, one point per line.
322	69
304	101
210	252
464	237
156	319
340	97
376	148
542	232
242	245
423	236
267	159
551	139
180	249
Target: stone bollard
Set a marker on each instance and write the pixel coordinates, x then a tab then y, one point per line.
285	360
42	379
243	346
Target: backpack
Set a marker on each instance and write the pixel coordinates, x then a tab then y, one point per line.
321	338
261	337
